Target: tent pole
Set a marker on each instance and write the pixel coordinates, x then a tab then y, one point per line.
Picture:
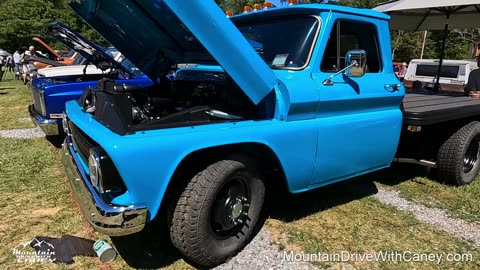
436	87
423	43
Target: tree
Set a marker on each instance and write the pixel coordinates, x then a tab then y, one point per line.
23	19
237	5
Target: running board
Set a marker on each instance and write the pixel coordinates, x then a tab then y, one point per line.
426	163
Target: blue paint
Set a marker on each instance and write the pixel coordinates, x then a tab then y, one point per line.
320	134
60	89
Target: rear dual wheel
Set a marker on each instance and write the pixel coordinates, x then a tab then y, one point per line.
458	159
215	216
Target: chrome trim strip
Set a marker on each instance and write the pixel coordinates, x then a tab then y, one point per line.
113	220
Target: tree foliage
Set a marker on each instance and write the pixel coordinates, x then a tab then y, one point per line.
237	5
20	20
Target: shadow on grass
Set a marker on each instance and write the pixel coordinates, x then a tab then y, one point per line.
56	140
149	249
399	173
152	248
290	207
5	88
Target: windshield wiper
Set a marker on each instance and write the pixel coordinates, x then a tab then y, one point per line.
223	115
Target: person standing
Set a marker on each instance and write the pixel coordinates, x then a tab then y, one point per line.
473	83
10	64
402	71
26	64
16	61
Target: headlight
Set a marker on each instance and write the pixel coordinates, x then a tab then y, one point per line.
65	124
43	108
95	170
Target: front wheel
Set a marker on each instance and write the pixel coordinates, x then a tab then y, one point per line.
458	158
216	214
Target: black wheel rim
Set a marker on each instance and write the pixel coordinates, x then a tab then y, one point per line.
471	156
229	211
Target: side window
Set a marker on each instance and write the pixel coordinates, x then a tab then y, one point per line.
350	35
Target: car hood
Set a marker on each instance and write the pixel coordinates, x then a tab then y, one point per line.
74	70
48	48
87	49
155	34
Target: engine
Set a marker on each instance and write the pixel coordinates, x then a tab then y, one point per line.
186	101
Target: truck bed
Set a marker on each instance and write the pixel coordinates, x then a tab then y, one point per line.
422	108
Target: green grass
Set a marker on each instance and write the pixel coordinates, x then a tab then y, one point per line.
35	196
461	202
367	226
14	99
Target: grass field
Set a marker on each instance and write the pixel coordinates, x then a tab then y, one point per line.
35	197
462	202
35	200
343	217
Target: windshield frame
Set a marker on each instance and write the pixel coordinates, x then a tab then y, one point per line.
312	47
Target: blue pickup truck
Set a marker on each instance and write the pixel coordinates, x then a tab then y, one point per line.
314	103
51	93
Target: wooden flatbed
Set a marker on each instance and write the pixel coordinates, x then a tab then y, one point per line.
421	107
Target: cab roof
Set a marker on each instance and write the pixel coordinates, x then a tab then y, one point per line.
315	9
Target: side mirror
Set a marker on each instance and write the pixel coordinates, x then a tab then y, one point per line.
358	56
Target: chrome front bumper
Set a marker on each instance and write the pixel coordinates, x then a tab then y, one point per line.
114	220
49	126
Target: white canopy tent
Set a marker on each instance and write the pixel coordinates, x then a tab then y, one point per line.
415	15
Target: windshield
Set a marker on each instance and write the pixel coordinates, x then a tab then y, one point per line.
80	60
70	54
284	43
130	66
112	52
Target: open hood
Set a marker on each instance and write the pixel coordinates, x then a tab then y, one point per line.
54	63
87	49
155	34
53	54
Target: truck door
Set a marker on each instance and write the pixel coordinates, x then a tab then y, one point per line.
359	118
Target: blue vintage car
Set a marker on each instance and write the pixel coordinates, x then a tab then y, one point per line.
313	102
51	93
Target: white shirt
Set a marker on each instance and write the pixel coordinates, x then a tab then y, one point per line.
16	58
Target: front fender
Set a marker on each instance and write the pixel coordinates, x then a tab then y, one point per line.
147	160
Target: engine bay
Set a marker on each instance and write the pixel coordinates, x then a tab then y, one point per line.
185	101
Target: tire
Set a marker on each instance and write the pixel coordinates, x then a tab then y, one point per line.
458	159
206	224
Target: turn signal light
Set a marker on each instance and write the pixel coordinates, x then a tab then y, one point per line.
267	5
257	7
229	13
247	9
292	2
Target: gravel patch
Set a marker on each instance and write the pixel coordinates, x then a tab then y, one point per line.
24	119
27	133
261	254
434	216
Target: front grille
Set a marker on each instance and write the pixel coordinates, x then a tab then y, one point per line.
111	180
81	141
39	101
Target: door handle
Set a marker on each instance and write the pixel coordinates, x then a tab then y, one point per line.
392	87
